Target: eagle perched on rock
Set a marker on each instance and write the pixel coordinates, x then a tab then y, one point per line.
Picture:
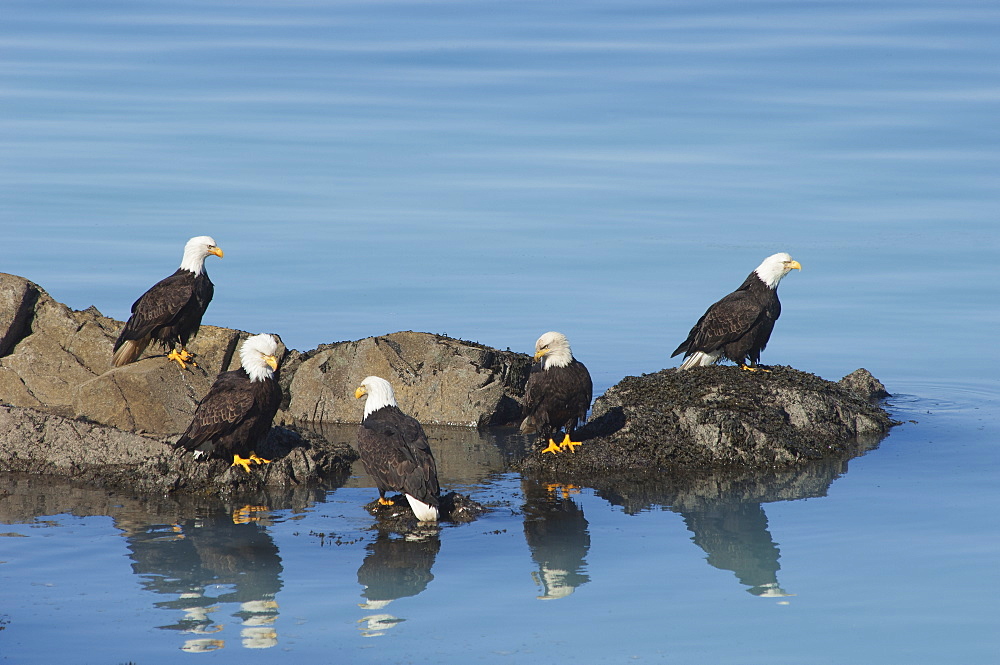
395	451
739	326
236	414
170	311
558	393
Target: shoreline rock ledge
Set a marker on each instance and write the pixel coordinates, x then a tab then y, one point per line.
47	444
723	417
65	411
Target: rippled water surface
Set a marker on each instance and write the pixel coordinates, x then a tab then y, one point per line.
490	171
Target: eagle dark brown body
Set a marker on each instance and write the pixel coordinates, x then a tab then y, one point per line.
395	452
556	399
233	418
738	326
169	313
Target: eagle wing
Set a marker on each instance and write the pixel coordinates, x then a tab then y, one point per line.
534	391
396	453
159	306
227	404
724	322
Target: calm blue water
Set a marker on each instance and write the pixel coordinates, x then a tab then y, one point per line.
493	170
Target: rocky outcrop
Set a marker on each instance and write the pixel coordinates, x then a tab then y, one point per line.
723	417
48	349
437	380
58	360
452	506
17	305
41	443
70	413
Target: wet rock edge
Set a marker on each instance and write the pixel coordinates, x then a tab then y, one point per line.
672	423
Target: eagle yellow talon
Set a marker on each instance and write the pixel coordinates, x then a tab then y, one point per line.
259	460
567	443
754	368
553	447
241	461
182	357
385	502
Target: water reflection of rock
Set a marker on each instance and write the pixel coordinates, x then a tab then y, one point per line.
556	532
463	455
397	565
200	555
725	511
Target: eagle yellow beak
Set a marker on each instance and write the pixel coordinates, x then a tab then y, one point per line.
272	362
540	353
216	251
360	392
794	265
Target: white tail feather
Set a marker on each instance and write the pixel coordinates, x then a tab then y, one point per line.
700	359
424	512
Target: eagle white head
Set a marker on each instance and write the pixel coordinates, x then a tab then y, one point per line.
774	267
196	251
552	350
258	355
379	392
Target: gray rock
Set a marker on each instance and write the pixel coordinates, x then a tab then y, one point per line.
49	348
154	394
437	380
398	517
58	360
17	305
719	417
43	443
861	382
48	352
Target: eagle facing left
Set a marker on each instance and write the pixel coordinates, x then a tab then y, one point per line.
558	393
395	452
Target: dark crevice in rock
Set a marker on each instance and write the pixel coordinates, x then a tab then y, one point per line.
18	321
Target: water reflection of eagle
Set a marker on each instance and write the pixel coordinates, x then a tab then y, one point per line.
556	532
735	537
396	566
223	549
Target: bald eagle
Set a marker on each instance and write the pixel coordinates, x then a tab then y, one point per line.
170	311
395	452
558	392
739	326
237	412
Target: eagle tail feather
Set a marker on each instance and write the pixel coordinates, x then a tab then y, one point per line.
699	359
424	511
129	351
